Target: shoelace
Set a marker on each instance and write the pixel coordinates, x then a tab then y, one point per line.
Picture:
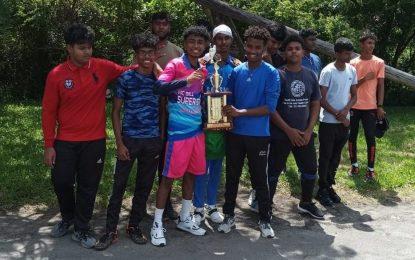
164	231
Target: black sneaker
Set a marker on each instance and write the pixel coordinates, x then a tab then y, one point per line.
169	212
106	240
61	228
136	235
333	196
86	238
323	197
310	209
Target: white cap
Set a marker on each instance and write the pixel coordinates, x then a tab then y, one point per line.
223	29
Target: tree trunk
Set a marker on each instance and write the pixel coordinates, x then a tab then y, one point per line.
322	46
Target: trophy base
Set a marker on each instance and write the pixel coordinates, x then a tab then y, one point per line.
218	126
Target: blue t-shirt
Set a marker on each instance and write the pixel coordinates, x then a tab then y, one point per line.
253	88
313	63
141	105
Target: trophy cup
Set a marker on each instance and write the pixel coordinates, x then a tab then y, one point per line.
216	99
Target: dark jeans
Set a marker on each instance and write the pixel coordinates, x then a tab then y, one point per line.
80	165
332	138
256	149
306	159
147	152
368	118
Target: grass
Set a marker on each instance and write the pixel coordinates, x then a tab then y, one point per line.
25	180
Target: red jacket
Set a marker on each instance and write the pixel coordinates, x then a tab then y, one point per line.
73	107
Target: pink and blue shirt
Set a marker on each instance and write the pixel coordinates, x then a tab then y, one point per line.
184	100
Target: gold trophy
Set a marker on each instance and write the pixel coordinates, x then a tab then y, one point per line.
216	99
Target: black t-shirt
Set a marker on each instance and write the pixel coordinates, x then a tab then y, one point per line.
298	89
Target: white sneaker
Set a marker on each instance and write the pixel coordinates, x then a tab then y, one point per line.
190	226
214	215
266	230
252	197
227	224
198	217
157	235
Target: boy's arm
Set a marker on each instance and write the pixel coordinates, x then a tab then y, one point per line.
112	69
342	114
50	105
165	88
122	151
272	89
324	83
369	76
324	103
163	117
380	93
314	111
167	83
293	134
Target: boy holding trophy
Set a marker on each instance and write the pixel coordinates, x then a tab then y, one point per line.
219	68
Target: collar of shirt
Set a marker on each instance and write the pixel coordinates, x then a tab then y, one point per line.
143	76
187	63
73	67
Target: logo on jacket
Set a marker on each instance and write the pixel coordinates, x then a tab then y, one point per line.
297	88
68	84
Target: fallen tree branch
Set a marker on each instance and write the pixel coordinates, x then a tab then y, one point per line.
322	46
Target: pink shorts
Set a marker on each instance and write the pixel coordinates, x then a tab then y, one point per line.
186	155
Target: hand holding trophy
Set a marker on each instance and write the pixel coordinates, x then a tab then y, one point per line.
216	97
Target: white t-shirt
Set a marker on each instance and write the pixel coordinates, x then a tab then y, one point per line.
338	94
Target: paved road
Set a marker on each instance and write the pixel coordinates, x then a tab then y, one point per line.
362	232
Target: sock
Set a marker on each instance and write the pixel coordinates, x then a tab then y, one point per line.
371	169
355	164
186	207
158	216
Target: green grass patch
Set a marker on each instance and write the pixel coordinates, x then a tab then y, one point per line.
25	180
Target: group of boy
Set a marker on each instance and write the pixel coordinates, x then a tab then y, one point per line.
274	112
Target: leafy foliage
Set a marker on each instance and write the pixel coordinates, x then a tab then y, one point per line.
31	41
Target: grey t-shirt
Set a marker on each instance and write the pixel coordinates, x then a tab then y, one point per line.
298	89
338	84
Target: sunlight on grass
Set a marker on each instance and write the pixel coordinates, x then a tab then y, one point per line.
24	179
